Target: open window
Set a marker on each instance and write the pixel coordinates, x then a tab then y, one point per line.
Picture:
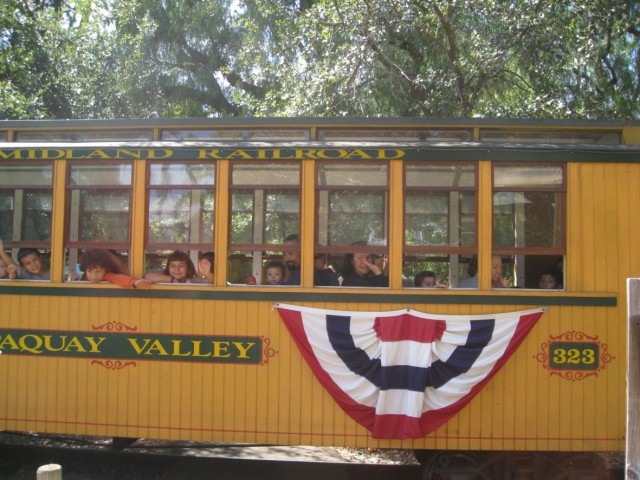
352	219
439	224
529	222
98	213
25	209
181	205
265	212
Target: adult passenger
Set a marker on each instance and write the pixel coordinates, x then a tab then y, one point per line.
360	270
291	258
497	277
472	269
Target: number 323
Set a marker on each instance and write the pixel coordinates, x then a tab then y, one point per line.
575	356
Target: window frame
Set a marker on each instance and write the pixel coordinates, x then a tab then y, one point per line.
562	210
165	246
77	244
318	189
261	252
448	249
449	253
38	244
231	246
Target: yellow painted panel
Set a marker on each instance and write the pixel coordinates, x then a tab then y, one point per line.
524	407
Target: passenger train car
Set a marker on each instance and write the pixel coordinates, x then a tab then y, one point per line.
517	346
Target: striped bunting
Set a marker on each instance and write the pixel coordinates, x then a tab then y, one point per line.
403	374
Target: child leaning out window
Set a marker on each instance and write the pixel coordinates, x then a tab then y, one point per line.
98	265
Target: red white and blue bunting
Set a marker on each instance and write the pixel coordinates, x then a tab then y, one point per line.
402	374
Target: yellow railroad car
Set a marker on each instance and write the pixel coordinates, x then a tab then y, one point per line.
167	279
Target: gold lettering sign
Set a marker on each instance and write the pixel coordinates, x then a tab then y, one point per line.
132	346
202	153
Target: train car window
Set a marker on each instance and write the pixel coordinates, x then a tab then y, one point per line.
529	223
602	137
265	212
236	135
26	202
83	135
439	225
181	206
3	136
381	135
353	218
98	213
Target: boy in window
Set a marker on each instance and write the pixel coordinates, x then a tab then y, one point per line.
31	266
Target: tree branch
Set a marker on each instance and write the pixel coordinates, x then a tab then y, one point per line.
394	68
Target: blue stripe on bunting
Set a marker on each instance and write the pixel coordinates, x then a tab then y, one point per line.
463	357
355	358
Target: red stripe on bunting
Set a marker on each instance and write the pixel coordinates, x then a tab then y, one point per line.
409	327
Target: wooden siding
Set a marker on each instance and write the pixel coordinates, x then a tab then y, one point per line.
523	408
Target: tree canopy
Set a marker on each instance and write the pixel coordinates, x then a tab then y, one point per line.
213	58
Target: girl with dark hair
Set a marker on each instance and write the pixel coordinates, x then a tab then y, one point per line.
360	270
179	269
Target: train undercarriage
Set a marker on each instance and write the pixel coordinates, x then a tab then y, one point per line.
483	465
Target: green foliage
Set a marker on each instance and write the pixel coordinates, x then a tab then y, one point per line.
208	58
464	58
30	35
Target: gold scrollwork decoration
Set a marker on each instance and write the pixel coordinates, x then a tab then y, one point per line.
113	325
113	364
573	335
